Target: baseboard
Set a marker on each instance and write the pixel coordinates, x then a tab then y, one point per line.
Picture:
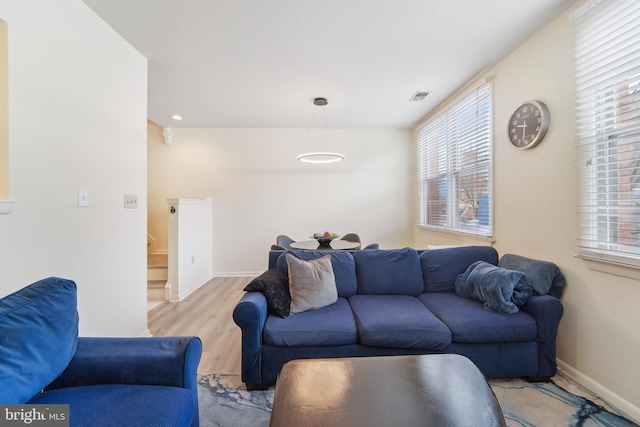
192	290
238	273
624	406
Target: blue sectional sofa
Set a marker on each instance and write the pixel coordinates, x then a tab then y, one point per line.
404	301
105	381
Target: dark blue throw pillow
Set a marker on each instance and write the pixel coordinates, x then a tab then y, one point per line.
274	285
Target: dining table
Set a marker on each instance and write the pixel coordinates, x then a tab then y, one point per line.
335	244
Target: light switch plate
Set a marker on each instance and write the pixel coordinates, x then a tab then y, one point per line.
83	197
131	201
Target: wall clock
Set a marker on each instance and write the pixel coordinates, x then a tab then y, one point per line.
528	124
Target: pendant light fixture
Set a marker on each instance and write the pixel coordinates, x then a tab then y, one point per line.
320	156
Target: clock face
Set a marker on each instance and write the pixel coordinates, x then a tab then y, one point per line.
528	124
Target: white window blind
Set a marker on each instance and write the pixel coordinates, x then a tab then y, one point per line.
607	75
454	166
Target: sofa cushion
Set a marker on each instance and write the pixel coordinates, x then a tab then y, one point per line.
398	321
343	268
123	405
441	267
331	325
38	337
469	322
388	272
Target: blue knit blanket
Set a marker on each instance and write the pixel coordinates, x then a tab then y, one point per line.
501	290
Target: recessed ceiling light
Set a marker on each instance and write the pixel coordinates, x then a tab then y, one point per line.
419	96
176	117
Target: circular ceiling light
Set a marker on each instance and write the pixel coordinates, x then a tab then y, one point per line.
176	117
321	157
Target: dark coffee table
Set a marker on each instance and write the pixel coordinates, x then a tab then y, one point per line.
391	391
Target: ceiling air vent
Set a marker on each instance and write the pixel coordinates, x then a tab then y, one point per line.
419	96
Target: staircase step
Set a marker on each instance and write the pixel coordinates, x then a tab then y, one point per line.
157	276
156	283
157	273
157	290
157	260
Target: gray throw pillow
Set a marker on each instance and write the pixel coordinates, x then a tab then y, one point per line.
312	284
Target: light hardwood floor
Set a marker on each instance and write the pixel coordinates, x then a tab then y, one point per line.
206	313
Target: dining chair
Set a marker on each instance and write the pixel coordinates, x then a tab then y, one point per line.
352	237
284	241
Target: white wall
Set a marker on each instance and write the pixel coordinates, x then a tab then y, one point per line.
535	215
190	245
260	189
77	107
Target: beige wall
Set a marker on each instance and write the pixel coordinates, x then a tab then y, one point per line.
4	113
259	188
535	215
78	102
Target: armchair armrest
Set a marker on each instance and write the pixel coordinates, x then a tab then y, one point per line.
250	315
169	361
162	361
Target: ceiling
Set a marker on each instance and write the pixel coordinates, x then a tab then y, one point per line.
260	64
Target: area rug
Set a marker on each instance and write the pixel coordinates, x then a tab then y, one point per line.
225	402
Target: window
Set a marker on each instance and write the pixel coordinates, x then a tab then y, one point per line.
454	166
607	73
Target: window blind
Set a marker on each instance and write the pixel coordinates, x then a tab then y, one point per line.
607	79
454	152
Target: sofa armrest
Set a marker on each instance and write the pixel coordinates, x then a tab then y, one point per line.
547	312
250	315
274	254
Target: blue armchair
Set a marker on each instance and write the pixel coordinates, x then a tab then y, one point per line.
105	381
